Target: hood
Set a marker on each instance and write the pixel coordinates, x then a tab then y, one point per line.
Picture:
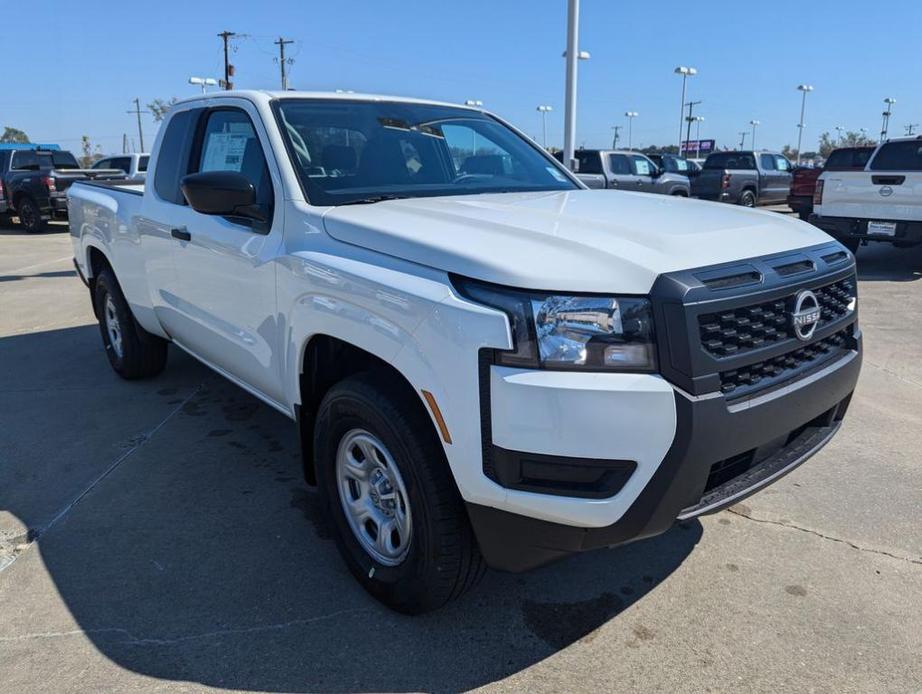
581	240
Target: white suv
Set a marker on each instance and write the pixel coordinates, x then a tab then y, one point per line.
881	203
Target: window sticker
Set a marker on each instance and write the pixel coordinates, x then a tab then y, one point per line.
224	152
555	173
643	167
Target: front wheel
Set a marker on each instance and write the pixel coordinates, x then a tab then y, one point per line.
400	523
747	198
30	217
132	351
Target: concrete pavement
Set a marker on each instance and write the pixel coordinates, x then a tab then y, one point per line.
157	536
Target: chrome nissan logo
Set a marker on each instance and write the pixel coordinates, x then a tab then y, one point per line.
886	192
806	315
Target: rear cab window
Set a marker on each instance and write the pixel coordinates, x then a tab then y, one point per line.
848	159
589	162
730	160
898	156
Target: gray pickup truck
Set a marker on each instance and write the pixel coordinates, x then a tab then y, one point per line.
745	178
626	170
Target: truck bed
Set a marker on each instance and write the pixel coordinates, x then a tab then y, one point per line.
136	188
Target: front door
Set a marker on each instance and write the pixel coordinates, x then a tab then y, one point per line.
225	267
643	173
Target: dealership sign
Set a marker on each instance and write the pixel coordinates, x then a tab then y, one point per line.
698	146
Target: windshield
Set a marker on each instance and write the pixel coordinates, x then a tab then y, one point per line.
350	152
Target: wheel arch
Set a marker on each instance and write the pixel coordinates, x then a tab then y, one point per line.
326	360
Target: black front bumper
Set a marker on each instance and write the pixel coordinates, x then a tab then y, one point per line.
844	228
730	442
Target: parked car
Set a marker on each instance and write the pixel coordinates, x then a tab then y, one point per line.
672	163
134	165
626	170
745	178
803	183
881	202
489	364
34	183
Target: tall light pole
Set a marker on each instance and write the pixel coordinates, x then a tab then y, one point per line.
544	110
474	103
616	136
204	82
889	101
839	130
754	123
572	54
689	119
631	115
803	88
743	134
686	72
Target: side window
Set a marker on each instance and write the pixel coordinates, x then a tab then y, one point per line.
121	163
642	166
782	163
102	164
229	143
767	162
173	159
25	160
619	165
142	163
589	162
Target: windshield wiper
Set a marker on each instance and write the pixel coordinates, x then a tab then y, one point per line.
375	198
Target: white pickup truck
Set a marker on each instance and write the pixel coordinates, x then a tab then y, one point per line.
883	202
489	364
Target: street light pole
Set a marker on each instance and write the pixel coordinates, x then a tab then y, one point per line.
631	115
569	128
543	110
754	123
698	120
804	88
616	136
686	72
889	101
839	130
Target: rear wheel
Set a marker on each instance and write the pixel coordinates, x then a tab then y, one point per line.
132	351
748	198
30	217
400	523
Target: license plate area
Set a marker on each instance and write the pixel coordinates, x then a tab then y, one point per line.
882	228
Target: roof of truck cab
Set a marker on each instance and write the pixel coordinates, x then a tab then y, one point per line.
266	95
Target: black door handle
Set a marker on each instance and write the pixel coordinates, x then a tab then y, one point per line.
888	180
181	234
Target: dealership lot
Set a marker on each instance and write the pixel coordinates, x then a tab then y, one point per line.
157	535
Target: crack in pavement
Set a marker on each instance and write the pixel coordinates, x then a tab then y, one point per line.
817	533
131	640
891	372
9	557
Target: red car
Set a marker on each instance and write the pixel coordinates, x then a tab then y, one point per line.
800	199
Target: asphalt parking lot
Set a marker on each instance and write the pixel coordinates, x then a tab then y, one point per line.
157	536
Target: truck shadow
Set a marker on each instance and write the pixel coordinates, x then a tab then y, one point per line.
202	557
882	262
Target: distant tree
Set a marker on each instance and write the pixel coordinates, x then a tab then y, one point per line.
13	136
850	139
90	153
789	152
159	108
660	149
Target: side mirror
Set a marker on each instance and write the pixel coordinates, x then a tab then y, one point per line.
223	193
656	172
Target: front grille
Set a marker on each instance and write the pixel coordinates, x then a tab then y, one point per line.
778	369
737	331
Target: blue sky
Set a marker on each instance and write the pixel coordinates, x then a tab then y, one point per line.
75	69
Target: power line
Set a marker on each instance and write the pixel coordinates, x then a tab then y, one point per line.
281	43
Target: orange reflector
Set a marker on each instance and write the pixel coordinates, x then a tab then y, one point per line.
437	413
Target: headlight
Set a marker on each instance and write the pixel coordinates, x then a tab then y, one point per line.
556	331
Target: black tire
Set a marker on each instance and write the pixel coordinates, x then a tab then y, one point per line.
679	194
138	354
443	560
804	215
747	198
30	217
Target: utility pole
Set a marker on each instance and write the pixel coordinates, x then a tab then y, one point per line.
691	105
137	111
569	129
889	101
743	135
804	88
614	139
910	127
281	43
228	68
